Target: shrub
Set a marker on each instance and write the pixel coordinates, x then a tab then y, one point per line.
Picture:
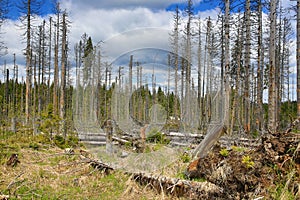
185	157
224	152
238	149
34	146
157	137
247	161
59	141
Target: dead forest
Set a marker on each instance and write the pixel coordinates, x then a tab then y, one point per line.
214	115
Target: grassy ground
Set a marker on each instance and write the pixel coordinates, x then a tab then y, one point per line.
45	171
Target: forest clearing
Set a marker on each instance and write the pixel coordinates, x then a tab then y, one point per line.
184	100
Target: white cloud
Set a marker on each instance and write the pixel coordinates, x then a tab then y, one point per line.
103	24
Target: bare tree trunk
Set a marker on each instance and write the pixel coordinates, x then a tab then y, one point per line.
260	70
238	76
7	92
49	59
130	82
189	11
28	63
15	85
42	89
272	122
38	85
227	63
247	68
199	70
182	87
298	58
278	66
34	94
63	74
56	70
208	73
22	94
176	47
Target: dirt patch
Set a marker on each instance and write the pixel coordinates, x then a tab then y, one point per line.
270	170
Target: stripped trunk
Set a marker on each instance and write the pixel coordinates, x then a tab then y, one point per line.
55	85
227	62
260	69
63	75
298	58
247	68
272	122
28	63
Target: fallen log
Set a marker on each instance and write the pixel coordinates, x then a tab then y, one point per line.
180	188
120	140
172	186
98	165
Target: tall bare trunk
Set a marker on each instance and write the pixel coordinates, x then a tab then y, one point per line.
227	62
176	59
272	122
238	77
28	63
49	58
63	74
260	70
199	52
56	73
247	68
298	58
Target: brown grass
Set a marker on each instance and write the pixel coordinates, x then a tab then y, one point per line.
49	173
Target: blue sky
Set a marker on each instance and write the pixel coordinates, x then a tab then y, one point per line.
202	6
47	7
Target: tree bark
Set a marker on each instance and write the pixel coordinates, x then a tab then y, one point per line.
28	63
56	70
272	122
298	58
63	74
227	63
260	70
247	68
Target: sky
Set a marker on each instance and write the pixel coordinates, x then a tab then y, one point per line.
124	26
102	20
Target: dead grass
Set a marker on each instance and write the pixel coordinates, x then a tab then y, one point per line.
49	173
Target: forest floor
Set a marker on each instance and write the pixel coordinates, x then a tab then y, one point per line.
269	171
45	171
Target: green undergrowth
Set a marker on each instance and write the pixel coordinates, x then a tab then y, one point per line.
157	137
